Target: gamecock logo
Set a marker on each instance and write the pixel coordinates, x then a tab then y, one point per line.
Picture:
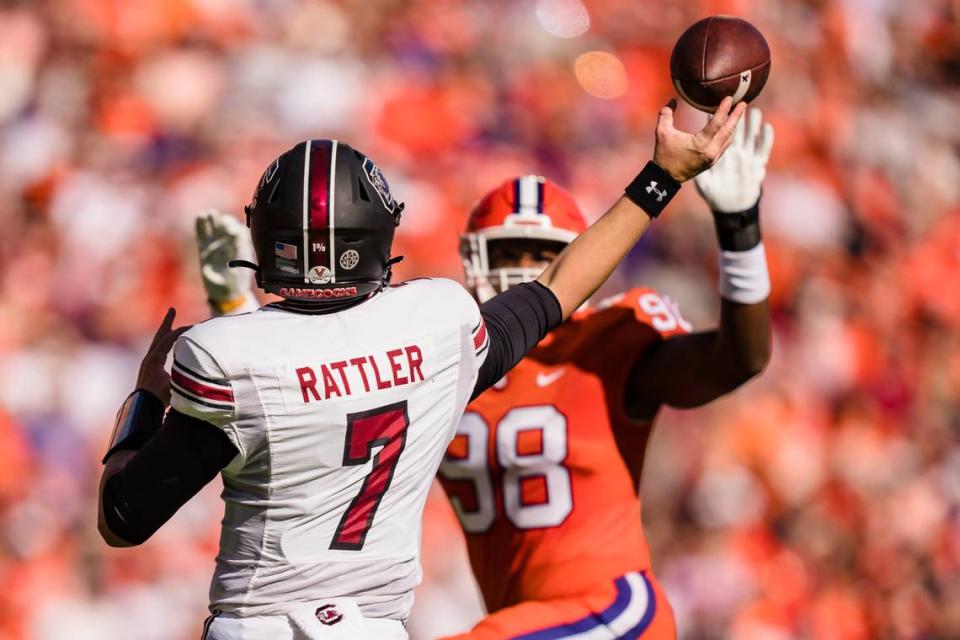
379	183
329	614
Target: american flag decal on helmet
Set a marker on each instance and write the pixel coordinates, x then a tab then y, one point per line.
284	250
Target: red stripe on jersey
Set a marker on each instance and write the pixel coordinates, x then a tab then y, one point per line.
200	389
480	336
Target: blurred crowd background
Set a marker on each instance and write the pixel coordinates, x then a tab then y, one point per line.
821	501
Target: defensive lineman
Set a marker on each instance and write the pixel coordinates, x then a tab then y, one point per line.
545	468
328	413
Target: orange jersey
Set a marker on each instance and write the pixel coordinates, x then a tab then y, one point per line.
545	467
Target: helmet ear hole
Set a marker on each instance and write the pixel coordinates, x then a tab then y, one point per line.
363	191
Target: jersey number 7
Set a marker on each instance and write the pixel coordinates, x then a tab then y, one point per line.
386	426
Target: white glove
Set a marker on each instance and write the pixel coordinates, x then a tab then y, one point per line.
733	183
220	239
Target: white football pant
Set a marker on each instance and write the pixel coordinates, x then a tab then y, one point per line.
330	619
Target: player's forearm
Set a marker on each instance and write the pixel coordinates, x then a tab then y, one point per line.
743	339
142	489
590	259
743	336
114	465
138	421
732	189
691	370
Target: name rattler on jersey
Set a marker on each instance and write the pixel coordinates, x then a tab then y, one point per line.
341	422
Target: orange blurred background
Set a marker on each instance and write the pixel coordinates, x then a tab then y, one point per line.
821	501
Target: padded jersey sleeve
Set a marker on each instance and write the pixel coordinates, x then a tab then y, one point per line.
621	330
201	388
476	342
651	310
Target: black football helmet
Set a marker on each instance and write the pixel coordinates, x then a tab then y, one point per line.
322	221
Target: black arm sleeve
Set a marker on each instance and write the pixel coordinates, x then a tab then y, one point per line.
170	469
516	321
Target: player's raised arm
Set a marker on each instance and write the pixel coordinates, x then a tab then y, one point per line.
678	156
517	319
155	465
693	369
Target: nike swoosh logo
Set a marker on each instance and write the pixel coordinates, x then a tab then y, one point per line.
546	379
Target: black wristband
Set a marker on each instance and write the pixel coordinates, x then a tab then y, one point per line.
738	231
138	420
652	189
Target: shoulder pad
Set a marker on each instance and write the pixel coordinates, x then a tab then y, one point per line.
650	307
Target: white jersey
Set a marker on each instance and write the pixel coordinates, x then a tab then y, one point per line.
341	421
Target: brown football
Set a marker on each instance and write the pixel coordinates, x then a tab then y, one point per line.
719	56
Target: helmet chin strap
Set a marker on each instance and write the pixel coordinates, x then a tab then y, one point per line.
243	264
246	264
388	271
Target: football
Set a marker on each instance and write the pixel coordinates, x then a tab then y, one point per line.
717	57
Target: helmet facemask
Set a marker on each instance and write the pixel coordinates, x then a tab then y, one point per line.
526	215
479	250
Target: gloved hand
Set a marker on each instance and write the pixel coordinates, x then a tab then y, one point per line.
220	239
733	184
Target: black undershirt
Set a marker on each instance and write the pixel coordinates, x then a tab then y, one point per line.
516	321
171	468
187	452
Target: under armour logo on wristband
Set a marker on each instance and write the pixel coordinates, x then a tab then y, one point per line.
652	188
